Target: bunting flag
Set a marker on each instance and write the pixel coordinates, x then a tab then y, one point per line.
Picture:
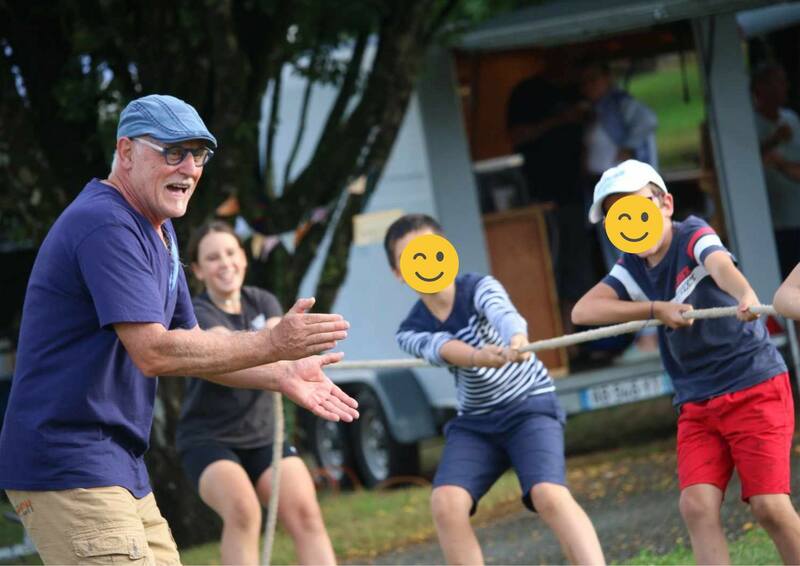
287	239
242	228
261	245
358	186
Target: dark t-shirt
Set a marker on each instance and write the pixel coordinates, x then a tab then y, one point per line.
553	162
711	357
240	418
80	411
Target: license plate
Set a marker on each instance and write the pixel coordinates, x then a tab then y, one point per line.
623	392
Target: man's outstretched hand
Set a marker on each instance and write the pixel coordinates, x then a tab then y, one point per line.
307	385
300	334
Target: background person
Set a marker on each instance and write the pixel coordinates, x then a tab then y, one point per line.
778	130
619	128
545	125
225	434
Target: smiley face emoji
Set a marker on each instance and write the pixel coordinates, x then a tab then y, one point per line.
634	224
429	263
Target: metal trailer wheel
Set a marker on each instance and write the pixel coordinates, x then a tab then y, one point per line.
329	444
377	454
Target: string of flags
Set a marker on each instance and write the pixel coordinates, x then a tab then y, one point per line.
261	245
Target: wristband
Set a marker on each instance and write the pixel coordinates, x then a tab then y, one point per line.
652	304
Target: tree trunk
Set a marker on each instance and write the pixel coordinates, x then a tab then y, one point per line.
192	522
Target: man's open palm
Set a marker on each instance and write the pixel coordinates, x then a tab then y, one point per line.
308	386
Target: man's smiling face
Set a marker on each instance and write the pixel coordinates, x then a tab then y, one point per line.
427	262
163	190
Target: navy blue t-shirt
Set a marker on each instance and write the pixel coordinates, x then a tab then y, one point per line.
713	356
80	412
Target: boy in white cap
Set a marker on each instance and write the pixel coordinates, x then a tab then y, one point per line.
731	384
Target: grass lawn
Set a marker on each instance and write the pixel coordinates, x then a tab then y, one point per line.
754	547
678	134
366	520
366	523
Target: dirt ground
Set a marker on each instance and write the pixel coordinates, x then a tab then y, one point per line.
632	501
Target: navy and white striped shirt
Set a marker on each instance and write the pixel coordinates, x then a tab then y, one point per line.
482	315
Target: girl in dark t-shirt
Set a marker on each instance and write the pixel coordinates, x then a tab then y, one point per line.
225	435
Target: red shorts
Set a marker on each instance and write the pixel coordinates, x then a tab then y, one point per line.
750	430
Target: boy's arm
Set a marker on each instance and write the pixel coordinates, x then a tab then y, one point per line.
492	300
602	305
442	348
787	297
728	278
461	354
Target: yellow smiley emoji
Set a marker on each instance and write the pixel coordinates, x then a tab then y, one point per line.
429	263
634	224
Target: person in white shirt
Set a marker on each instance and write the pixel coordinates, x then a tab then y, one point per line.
620	128
778	130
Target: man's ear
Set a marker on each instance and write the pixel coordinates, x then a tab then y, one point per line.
397	274
125	152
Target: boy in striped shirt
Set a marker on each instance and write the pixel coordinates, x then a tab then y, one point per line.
508	413
731	384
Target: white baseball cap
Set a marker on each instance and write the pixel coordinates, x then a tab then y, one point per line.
627	177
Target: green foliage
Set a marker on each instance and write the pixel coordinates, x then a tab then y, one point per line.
679	120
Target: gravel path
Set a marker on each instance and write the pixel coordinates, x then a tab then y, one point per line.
632	501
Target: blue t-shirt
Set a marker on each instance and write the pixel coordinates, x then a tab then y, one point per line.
713	356
79	413
482	315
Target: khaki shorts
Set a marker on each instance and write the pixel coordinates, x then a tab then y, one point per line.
99	525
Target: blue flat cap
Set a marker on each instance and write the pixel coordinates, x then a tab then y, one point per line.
164	118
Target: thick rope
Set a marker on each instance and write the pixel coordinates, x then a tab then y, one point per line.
277	456
550	343
566	340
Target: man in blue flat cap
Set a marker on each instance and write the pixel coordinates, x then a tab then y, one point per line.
106	311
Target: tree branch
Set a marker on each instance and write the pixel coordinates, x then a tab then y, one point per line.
381	108
301	126
334	269
440	19
272	129
347	89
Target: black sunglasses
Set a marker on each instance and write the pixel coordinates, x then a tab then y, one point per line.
175	154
